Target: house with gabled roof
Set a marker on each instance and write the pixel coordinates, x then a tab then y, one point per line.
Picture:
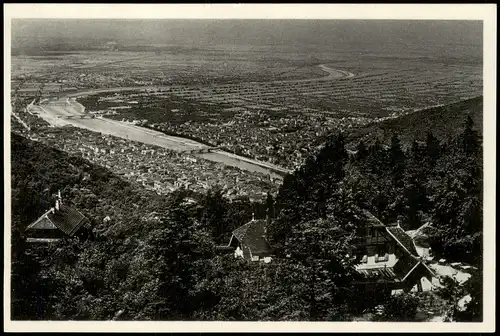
249	242
58	222
386	256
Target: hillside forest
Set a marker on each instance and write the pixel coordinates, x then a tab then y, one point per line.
154	257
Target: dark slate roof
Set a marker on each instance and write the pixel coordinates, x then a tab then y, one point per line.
370	218
246	251
241	232
403	239
67	219
251	235
405	265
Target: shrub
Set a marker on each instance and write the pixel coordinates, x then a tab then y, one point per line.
402	307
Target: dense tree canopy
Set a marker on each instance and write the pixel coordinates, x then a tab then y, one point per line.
155	257
431	182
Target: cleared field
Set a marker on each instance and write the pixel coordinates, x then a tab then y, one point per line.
263	75
271	103
371	94
281	121
160	68
374	94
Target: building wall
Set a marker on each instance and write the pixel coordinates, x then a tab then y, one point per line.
45	233
377	242
378	248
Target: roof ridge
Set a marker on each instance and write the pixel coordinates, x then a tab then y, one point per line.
45	215
370	215
68	219
77	226
419	262
248	224
428	268
396	238
242	229
413	268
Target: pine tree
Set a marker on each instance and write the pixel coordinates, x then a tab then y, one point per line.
26	304
432	149
469	138
331	159
320	249
415	194
214	210
270	206
377	158
361	150
304	194
396	157
416	152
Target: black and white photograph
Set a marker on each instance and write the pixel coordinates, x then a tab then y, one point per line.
199	165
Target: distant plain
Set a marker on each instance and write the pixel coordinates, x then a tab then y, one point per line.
267	75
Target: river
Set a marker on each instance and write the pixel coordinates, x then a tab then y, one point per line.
56	112
57	115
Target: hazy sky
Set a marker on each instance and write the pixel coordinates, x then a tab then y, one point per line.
341	34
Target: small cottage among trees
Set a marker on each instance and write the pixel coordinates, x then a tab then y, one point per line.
249	241
386	256
58	222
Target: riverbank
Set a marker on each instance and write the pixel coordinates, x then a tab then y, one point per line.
65	110
56	114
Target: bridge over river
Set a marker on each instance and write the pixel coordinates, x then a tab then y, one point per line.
63	111
202	150
83	116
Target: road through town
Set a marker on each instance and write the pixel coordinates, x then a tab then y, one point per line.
64	110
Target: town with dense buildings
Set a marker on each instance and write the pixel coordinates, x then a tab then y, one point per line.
288	117
310	205
153	167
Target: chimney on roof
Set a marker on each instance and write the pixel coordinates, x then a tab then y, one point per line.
265	226
59	197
